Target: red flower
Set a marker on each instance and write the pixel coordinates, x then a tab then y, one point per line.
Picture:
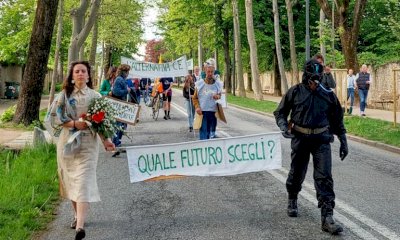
83	115
98	117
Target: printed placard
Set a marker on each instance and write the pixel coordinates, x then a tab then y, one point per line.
216	157
128	112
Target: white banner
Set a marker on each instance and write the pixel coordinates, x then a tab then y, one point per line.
139	69
216	157
128	112
189	64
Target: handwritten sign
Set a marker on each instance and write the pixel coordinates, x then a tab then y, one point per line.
128	112
176	68
216	157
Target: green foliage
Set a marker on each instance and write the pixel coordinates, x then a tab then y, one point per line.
16	20
27	206
35	123
8	114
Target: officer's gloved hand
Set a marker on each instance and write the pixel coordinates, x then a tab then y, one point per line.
286	133
344	150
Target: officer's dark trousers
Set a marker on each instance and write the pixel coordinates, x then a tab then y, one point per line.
302	147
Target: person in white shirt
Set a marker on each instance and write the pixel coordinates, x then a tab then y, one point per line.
351	86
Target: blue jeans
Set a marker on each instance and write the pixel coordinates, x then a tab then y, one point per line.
145	95
190	111
117	138
350	94
209	121
363	98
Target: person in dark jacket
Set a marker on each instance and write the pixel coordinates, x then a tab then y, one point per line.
363	80
120	90
315	115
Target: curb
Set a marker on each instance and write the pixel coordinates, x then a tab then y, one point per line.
376	144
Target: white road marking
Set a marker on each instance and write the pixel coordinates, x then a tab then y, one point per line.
308	193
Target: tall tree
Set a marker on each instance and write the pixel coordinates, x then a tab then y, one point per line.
57	52
238	49
293	54
348	25
322	47
93	49
38	54
80	31
278	46
255	75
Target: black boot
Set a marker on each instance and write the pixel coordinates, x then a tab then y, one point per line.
350	110
292	210
328	223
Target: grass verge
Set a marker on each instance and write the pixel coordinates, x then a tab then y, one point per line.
11	125
28	190
368	128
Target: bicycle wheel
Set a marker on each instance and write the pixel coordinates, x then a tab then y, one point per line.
156	107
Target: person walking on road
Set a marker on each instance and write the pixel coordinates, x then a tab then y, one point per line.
120	91
106	85
77	169
363	80
204	100
188	92
315	115
351	85
167	95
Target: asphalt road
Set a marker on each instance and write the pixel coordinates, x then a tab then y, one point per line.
247	206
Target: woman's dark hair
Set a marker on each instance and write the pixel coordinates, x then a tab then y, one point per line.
123	70
68	85
111	74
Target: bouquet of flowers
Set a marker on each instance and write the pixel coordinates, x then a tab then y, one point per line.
100	117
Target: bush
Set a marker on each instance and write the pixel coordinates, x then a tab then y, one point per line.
8	114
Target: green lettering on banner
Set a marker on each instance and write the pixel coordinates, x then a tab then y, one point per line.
171	161
211	153
251	153
263	149
158	162
184	155
203	156
166	67
141	169
231	154
243	148
219	152
197	156
236	155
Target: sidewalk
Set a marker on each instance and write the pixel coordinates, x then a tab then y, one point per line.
370	113
17	139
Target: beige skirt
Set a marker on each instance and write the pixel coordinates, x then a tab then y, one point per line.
77	172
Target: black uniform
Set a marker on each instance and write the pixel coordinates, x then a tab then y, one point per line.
315	115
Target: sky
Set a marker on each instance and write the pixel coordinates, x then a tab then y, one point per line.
150	17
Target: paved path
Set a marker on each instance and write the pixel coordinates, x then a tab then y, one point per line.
12	138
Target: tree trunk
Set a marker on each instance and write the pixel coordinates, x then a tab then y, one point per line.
321	34
200	49
349	26
255	75
249	86
238	49
293	54
277	77
80	32
57	52
278	46
107	58
36	65
93	49
227	59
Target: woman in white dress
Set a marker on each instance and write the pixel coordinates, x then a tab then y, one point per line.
77	167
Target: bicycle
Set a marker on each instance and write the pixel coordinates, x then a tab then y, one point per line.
156	104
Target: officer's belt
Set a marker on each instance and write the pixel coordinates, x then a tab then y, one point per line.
309	130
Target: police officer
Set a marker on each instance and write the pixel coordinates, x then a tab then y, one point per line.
315	115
